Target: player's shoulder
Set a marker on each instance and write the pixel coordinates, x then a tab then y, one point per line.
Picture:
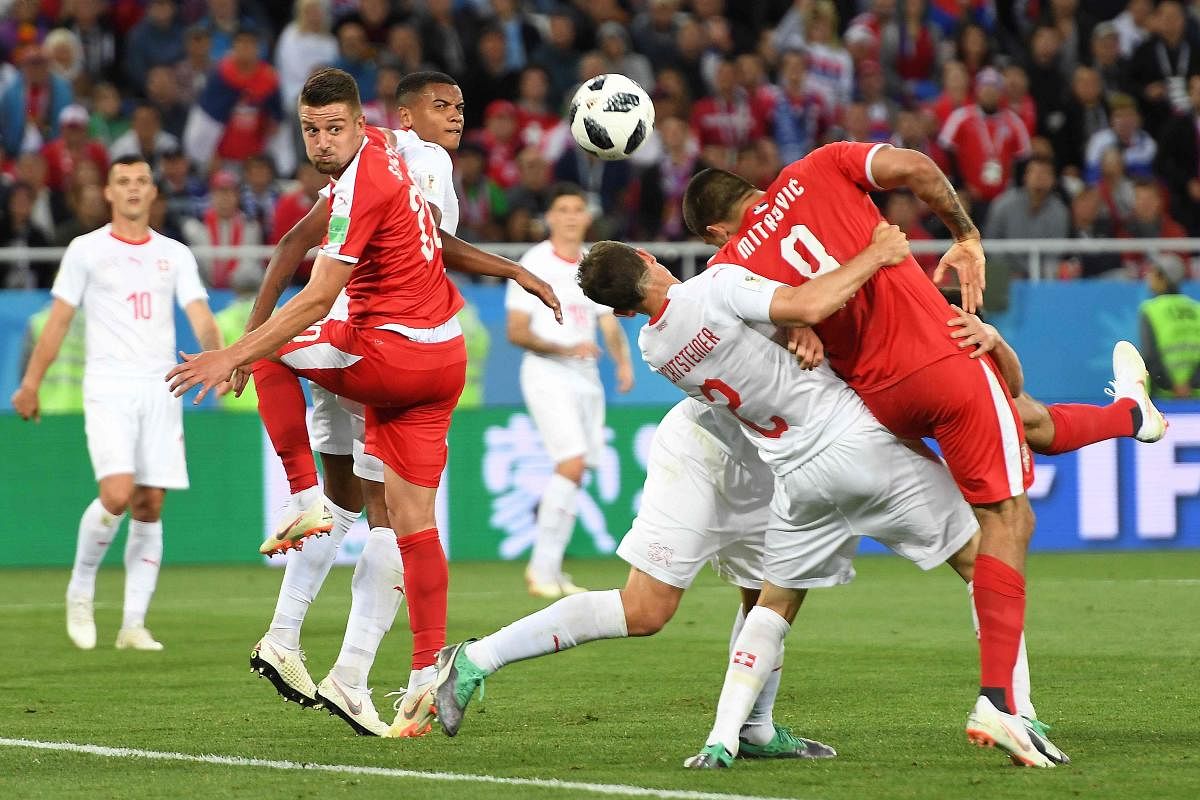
170	247
540	255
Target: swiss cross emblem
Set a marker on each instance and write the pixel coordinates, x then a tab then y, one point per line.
744	659
164	265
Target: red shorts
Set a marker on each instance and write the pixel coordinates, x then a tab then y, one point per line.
964	404
409	389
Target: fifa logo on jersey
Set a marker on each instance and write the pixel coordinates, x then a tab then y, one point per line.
744	659
660	554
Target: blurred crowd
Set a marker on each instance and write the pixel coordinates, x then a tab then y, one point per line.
1055	118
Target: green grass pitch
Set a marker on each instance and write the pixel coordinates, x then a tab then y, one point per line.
883	669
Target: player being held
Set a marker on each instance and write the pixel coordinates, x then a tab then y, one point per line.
889	343
560	381
127	278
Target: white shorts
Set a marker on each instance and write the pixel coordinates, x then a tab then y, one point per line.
135	427
867	483
699	504
568	409
337	429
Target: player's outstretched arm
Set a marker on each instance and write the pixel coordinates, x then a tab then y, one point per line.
214	367
462	257
617	345
897	167
813	301
25	399
289	253
971	331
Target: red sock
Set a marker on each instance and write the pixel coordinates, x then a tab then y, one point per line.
426	579
1077	424
281	406
1000	604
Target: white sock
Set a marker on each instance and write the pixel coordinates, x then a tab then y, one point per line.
755	654
419	677
143	557
760	726
303	575
571	621
377	590
306	497
97	528
1020	679
555	524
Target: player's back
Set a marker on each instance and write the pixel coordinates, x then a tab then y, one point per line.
699	343
816	216
380	223
128	291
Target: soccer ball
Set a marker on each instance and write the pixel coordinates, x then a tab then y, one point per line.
611	116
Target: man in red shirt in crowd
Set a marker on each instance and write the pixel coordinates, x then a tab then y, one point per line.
294	206
985	140
71	147
726	118
890	343
400	354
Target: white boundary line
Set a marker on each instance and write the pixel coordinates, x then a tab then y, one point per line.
616	789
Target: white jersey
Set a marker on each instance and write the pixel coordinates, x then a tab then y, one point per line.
712	340
580	315
128	292
433	172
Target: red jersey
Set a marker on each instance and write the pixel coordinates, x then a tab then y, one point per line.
985	146
815	217
380	223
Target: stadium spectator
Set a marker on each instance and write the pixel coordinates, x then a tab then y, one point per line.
955	94
613	40
653	31
1074	26
725	118
382	111
1132	25
355	55
830	69
691	43
376	17
1148	219
224	224
558	56
1169	329
1116	190
65	55
239	110
1084	115
19	228
855	125
293	206
754	80
1179	161
1017	97
223	22
156	41
1107	59
1160	67
985	140
489	78
107	123
499	139
1124	132
529	199
260	192
305	44
163	221
1031	211
443	40
183	193
71	147
972	48
405	48
192	73
31	103
800	116
660	211
909	50
49	208
23	25
881	110
145	138
97	37
521	36
671	96
538	123
162	92
1087	222
89	212
1043	67
789	31
482	204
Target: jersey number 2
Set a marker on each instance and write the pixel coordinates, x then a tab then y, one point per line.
800	234
713	386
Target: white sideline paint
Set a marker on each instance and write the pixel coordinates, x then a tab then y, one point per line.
615	789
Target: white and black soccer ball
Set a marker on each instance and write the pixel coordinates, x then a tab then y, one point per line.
611	116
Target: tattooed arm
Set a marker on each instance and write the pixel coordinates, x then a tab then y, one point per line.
896	168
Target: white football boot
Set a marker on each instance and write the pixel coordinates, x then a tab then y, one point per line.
137	638
988	726
285	669
296	525
354	706
1130	379
81	624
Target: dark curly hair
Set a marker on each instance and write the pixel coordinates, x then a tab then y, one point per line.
613	274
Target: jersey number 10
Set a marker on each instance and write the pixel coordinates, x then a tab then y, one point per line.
141	304
801	234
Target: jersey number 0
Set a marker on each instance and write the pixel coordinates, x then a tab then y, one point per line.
801	234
